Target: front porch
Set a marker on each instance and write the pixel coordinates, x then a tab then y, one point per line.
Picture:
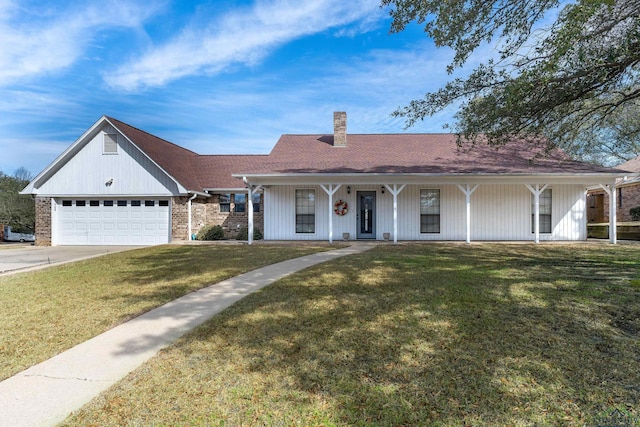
426	208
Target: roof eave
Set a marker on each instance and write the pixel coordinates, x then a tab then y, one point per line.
368	178
224	189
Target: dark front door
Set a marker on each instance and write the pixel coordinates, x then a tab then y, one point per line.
366	215
596	208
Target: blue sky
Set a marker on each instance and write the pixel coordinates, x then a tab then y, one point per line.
217	77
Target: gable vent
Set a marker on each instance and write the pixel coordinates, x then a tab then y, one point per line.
110	143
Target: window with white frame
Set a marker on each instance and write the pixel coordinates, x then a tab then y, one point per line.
256	202
240	202
225	202
545	212
430	210
305	211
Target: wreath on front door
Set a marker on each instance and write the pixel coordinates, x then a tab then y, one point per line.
341	208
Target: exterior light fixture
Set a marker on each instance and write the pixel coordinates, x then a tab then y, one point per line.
348	189
382	189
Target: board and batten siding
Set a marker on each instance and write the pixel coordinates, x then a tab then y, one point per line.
87	172
498	212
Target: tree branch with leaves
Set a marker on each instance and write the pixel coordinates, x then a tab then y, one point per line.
569	82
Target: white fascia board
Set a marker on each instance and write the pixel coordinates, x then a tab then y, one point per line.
226	190
200	193
380	178
61	159
110	196
181	189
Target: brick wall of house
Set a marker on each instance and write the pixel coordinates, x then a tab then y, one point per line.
179	218
205	212
626	197
630	199
43	221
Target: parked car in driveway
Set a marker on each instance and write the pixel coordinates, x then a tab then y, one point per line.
10	236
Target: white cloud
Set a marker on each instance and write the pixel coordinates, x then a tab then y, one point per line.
242	36
36	40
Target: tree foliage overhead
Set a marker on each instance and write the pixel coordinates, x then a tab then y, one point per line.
572	81
16	210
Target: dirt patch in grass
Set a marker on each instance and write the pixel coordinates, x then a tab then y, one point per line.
407	335
45	312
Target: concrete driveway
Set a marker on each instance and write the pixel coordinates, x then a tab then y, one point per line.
20	258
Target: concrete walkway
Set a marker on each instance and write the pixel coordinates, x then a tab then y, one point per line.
47	393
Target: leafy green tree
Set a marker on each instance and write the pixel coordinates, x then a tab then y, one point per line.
569	81
16	210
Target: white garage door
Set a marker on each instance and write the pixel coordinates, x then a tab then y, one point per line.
113	222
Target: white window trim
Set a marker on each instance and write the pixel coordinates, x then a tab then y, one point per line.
532	215
439	210
315	212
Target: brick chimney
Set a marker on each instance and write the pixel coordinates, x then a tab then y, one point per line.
339	129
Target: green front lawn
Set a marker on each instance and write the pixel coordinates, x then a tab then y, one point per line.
45	312
408	335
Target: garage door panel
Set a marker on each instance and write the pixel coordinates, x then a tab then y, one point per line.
113	223
68	226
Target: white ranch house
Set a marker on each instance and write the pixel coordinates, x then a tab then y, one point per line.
120	185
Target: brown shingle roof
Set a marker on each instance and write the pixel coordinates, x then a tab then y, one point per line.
215	170
194	171
413	153
632	165
175	160
385	153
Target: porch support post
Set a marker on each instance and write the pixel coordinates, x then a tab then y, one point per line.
536	208
250	191
395	191
330	190
610	189
189	227
468	191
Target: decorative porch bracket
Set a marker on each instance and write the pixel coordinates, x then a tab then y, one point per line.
610	189
251	190
330	190
395	191
536	210
468	191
